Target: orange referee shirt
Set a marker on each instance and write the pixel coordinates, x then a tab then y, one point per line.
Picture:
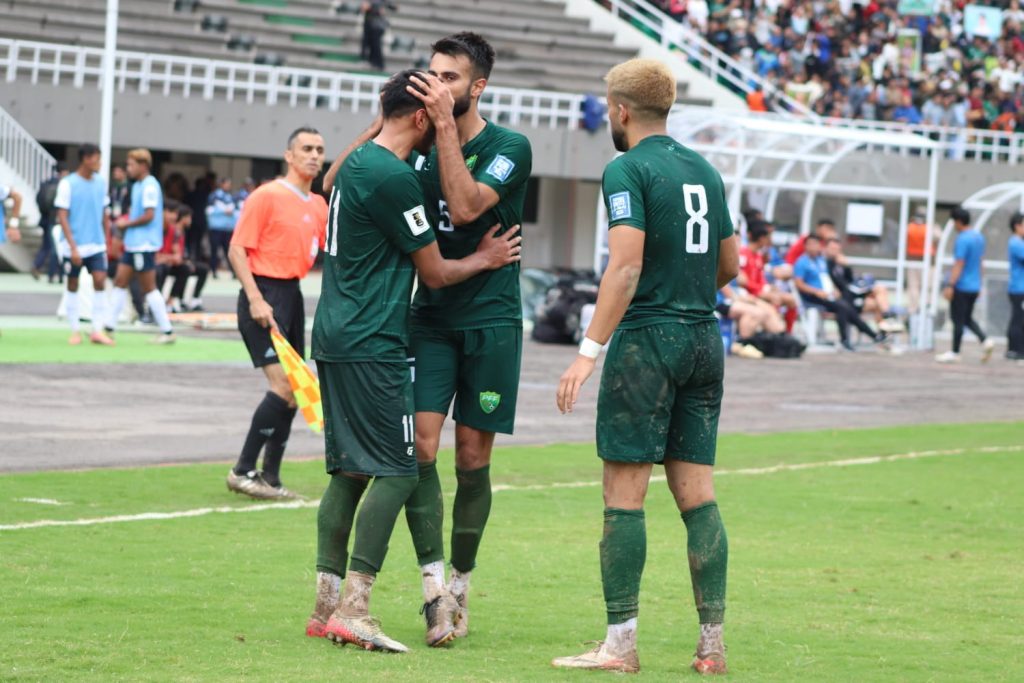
281	230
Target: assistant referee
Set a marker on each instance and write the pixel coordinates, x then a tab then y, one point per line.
277	238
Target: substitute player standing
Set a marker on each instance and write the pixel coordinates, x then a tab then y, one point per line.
671	247
378	236
278	236
467	340
81	203
143	236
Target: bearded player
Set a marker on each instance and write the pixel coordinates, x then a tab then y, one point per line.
671	248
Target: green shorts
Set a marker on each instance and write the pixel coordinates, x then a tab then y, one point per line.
661	394
368	418
477	368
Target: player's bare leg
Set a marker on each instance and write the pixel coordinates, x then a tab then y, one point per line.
424	512
692	487
623	553
119	295
472	507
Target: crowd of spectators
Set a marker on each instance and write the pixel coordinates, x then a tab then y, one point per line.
859	60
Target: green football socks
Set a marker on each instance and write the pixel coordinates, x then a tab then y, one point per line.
708	550
376	521
334	522
469	515
424	512
623	553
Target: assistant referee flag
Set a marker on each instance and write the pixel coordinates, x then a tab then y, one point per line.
304	383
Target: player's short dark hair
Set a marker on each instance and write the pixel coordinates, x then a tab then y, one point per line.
471	45
299	131
172	205
86	150
395	100
1015	220
810	237
826	221
758	230
184	211
830	240
961	215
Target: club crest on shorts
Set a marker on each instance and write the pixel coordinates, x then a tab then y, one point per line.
489	401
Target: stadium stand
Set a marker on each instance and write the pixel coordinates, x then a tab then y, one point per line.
866	60
538	46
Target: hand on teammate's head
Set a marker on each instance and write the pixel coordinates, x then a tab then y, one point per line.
433	93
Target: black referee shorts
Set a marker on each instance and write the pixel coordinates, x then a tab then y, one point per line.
285	297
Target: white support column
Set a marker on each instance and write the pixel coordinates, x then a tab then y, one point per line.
107	101
901	251
929	300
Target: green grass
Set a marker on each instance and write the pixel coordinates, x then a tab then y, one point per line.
28	345
906	570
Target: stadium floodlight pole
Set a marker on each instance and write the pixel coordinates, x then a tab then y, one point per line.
107	101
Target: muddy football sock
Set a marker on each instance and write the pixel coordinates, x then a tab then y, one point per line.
334	522
469	515
424	512
623	553
376	521
708	551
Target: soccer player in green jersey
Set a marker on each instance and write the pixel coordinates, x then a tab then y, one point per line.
671	248
467	340
378	237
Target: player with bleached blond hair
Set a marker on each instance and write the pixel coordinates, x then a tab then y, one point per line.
671	247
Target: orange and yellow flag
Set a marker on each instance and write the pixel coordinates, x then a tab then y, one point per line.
304	383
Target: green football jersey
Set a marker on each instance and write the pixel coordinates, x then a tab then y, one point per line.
502	160
375	220
675	196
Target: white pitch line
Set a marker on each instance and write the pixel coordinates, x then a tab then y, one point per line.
499	488
40	501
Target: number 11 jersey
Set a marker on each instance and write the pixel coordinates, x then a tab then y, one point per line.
678	199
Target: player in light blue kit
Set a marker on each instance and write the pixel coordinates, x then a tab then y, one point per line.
81	203
143	236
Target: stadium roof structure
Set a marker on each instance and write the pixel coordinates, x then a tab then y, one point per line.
984	205
770	155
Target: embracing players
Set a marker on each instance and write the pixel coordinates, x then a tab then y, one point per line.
671	248
466	340
379	236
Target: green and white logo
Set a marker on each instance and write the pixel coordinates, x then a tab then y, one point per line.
471	162
489	401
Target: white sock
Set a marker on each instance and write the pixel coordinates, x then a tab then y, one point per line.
155	300
621	637
459	584
99	310
119	296
71	308
433	580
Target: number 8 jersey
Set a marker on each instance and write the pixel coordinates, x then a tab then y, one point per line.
675	196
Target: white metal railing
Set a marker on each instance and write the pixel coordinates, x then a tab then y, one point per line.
961	144
716	64
22	153
255	83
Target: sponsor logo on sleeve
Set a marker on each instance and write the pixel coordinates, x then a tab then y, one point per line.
501	168
416	218
620	206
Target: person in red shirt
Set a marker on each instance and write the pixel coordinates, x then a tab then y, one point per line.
278	236
825	230
752	273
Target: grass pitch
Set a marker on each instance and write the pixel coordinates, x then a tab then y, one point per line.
27	345
906	569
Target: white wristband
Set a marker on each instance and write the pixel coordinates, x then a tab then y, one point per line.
14	223
590	348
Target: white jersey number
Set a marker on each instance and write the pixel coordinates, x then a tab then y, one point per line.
408	428
697	225
332	223
445	225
